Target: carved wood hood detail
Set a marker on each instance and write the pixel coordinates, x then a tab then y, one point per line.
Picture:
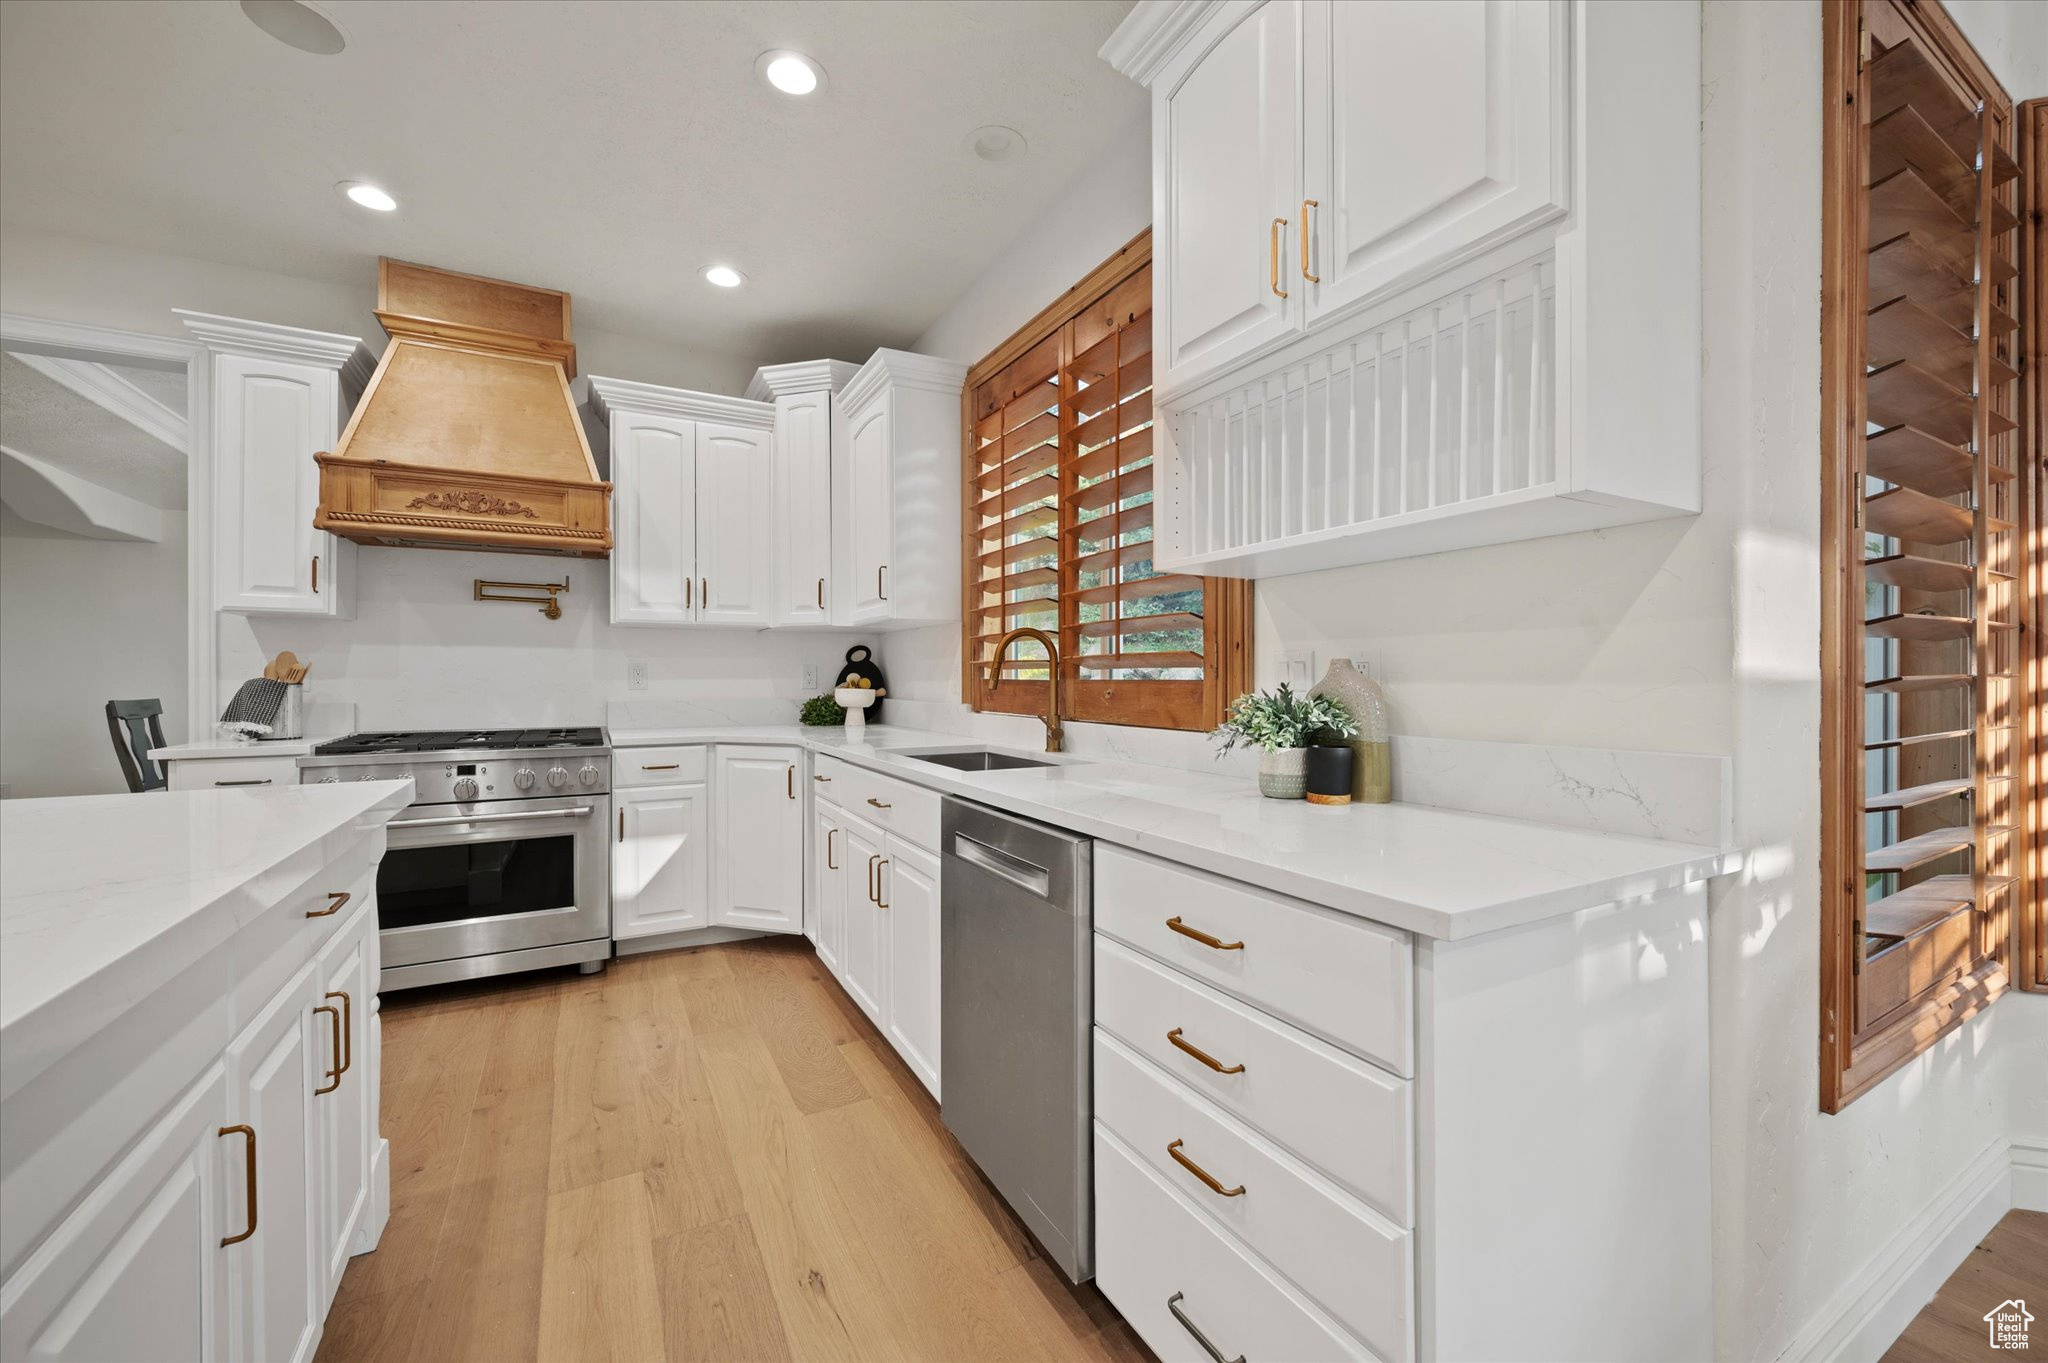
467	436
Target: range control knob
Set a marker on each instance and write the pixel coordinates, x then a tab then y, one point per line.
366	776
558	777
588	774
523	778
330	780
465	789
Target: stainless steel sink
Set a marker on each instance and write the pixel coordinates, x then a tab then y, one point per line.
979	759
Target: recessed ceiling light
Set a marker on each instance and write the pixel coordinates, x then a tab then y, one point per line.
296	24
997	143
790	72
368	195
724	276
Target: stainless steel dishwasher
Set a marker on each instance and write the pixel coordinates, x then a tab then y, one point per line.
1016	1000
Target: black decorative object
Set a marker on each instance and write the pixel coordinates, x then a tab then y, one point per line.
1329	776
860	662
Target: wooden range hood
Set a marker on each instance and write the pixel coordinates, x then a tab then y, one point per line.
467	436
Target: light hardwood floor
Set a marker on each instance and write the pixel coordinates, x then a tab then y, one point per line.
705	1154
2012	1262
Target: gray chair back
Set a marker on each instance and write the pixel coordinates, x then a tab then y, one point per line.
136	726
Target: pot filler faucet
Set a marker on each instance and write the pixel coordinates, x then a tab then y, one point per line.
1053	733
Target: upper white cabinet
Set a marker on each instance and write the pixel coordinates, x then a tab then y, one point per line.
691	520
1426	273
280	395
803	395
896	492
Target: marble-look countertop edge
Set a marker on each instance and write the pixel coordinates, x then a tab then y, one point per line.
1664	865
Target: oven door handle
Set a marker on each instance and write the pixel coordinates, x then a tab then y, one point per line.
578	812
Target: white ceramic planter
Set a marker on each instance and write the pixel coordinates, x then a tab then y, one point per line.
1283	773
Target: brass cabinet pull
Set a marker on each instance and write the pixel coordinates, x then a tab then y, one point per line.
880	902
622	824
1204	938
830	864
826	779
1273	258
249	1176
704	590
874	895
821	593
348	1018
1173	1149
262	782
334	1020
1173	1305
1198	1053
880	804
316	574
335	899
1306	205
689	592
880	595
791	782
660	766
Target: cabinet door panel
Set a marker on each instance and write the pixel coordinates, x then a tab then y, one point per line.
871	527
864	957
803	508
760	822
734	467
135	1271
661	860
271	417
654	520
1229	130
1433	128
828	864
910	918
271	1073
348	983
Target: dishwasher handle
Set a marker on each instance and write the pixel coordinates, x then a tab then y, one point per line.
1024	874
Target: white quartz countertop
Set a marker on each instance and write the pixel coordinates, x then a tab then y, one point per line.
104	898
280	747
1436	872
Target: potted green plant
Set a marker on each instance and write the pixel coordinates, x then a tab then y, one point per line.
822	710
1279	723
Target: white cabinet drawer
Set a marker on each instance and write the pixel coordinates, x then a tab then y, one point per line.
1345	1117
910	812
1357	1265
1155	1256
660	766
208	773
1343	979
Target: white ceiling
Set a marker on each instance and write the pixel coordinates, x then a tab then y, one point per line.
611	149
48	421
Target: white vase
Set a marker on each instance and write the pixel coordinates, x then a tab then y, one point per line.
1283	773
1371	756
855	700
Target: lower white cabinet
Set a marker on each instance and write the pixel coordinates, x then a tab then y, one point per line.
864	959
207	773
760	822
825	911
908	891
661	860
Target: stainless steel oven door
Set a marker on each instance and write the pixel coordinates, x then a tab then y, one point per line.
500	875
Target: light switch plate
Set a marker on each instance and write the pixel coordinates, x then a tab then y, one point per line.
636	674
1298	668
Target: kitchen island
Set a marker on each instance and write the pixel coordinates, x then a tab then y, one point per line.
189	1147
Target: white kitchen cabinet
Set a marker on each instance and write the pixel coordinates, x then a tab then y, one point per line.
759	871
1487	232
346	1107
692	521
661	860
804	395
825	916
864	955
896	492
279	396
136	1271
907	879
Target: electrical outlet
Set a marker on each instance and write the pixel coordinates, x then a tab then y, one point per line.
1368	662
813	678
1298	668
636	674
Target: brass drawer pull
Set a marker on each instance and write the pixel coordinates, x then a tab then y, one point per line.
1306	205
659	766
880	804
1204	938
874	895
1199	1172
335	899
348	1018
1198	1053
264	781
249	1177
830	834
1273	259
1173	1305
880	902
334	1020
826	779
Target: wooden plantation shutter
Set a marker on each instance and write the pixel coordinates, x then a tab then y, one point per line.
2032	937
1059	524
1923	548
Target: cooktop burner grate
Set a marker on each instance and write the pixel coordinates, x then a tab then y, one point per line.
458	740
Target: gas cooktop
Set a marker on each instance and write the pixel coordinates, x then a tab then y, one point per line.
460	740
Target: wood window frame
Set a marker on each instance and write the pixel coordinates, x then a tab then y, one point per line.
1226	602
1855	1053
2031	956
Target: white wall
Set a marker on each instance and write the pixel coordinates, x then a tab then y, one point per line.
83	622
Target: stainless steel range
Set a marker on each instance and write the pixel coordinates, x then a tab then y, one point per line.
500	863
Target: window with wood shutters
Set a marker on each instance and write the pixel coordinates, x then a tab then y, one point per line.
1059	525
2033	931
1924	544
